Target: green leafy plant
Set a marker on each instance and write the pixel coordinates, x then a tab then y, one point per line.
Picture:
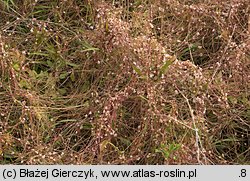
168	150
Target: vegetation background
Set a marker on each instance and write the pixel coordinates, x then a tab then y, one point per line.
124	82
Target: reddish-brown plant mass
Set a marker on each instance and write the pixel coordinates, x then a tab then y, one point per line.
125	82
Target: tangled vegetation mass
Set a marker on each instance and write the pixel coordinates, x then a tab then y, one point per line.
124	82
